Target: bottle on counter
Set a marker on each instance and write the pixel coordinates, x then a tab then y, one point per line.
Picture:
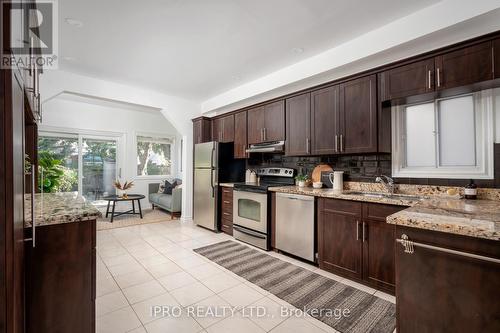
470	191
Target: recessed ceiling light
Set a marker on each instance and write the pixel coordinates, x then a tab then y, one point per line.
297	50
74	22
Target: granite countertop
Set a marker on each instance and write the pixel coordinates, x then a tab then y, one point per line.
474	218
57	208
335	194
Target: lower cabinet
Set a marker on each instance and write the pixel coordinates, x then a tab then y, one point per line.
227	210
354	241
439	291
61	278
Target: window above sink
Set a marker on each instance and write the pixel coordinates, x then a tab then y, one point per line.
445	138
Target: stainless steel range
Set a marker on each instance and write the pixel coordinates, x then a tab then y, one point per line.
252	205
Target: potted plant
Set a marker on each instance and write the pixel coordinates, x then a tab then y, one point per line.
301	180
123	188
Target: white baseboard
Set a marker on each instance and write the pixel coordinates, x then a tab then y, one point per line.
186	218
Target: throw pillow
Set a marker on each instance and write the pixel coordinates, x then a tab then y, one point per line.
161	188
169	187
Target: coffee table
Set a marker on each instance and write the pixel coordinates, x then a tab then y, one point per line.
116	198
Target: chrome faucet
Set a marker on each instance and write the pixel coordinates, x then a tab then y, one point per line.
387	181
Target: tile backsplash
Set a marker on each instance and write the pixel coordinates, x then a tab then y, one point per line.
365	168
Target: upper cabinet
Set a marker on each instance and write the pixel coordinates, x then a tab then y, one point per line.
409	80
325	121
358	116
201	130
298	125
496	52
312	123
223	129
458	68
240	135
465	66
266	123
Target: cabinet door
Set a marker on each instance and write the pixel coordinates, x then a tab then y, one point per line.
496	52
240	135
324	121
466	66
339	243
256	125
228	129
217	129
409	80
378	254
274	123
358	115
298	127
464	291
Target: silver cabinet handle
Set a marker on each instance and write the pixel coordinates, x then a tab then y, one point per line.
226	202
429	80
409	248
364	232
341	143
33	222
438	74
308	150
336	143
357	230
265	133
226	213
262	134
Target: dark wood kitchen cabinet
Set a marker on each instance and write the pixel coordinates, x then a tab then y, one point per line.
409	80
325	121
266	123
202	130
465	66
227	210
496	53
240	135
358	116
223	129
298	125
355	241
437	291
339	247
61	278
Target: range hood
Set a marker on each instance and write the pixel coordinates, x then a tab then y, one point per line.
267	147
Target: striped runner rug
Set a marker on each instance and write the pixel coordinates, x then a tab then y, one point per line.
319	296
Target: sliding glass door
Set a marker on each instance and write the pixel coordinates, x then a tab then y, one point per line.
77	162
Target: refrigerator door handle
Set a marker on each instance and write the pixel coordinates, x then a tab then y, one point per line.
212	172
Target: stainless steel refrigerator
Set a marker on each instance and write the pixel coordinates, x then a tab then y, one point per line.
214	163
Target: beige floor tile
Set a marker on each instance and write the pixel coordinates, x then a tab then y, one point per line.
213	309
241	295
143	291
176	280
272	316
119	260
233	324
182	324
153	261
220	282
119	321
385	296
125	268
105	285
166	268
110	302
203	271
134	278
189	262
191	294
145	310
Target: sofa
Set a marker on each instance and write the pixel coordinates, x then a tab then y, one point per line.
169	202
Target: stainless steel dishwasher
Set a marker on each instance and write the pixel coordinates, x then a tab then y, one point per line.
295	225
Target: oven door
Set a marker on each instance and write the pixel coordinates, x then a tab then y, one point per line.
250	210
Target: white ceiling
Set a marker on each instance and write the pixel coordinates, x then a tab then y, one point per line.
197	48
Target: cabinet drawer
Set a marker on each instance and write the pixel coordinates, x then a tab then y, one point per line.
227	215
345	207
227	206
227	193
379	212
227	226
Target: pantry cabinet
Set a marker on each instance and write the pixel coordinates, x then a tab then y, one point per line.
355	241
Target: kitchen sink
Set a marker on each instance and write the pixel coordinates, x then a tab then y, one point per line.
385	195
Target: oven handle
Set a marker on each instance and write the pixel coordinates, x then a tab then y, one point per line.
248	232
250	190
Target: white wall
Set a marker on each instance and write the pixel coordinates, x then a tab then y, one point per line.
60	114
177	111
